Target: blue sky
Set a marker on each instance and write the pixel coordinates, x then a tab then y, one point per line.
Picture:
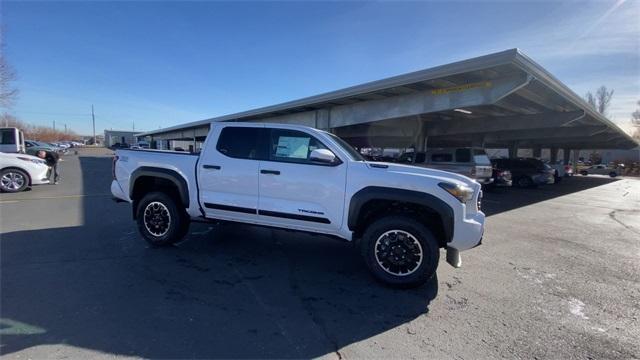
164	63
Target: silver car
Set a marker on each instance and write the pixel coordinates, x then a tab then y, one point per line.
600	169
471	162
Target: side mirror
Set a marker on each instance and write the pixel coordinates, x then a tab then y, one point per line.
323	156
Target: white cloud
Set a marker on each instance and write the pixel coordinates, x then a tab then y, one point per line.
581	29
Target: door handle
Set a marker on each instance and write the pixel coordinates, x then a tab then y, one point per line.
272	172
213	167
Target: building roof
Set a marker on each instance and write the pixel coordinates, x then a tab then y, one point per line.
541	93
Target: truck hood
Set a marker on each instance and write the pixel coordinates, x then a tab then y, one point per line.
421	171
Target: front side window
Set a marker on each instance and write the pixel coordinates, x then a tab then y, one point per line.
242	142
292	146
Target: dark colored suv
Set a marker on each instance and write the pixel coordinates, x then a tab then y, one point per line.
526	172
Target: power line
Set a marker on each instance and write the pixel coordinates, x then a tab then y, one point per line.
52	114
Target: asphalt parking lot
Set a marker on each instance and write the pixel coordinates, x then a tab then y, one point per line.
557	276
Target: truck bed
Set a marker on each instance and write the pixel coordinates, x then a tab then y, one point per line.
183	163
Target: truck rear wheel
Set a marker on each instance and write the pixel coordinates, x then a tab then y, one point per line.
160	221
400	251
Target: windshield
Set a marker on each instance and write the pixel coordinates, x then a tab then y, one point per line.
353	153
480	157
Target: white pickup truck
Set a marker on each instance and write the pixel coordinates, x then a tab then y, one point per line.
301	178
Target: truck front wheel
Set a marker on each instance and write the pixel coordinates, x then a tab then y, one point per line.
400	251
160	221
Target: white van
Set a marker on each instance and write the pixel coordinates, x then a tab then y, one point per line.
11	140
471	162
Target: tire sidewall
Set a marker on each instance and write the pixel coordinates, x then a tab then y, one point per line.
430	251
24	175
177	224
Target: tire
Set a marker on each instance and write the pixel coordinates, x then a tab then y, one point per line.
160	221
524	182
414	237
613	174
13	180
584	173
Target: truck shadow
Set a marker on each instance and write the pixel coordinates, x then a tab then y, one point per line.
228	291
505	199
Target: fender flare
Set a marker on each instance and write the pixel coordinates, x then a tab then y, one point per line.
167	174
401	195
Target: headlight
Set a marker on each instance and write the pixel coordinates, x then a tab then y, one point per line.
460	192
35	161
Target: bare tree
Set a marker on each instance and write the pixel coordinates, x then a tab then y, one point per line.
601	100
36	132
635	121
8	93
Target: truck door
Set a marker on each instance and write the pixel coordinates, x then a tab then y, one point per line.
298	192
228	172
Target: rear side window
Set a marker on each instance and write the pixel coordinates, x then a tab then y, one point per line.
242	142
8	137
441	157
292	146
463	155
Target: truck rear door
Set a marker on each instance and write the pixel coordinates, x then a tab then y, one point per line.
228	173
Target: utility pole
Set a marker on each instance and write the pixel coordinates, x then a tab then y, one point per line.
93	117
54	125
134	126
65	128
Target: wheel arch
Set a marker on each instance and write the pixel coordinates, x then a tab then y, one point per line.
21	169
373	201
146	179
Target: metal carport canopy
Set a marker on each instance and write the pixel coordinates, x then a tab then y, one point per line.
499	100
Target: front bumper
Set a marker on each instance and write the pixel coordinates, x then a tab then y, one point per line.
485	181
544	179
40	176
467	235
